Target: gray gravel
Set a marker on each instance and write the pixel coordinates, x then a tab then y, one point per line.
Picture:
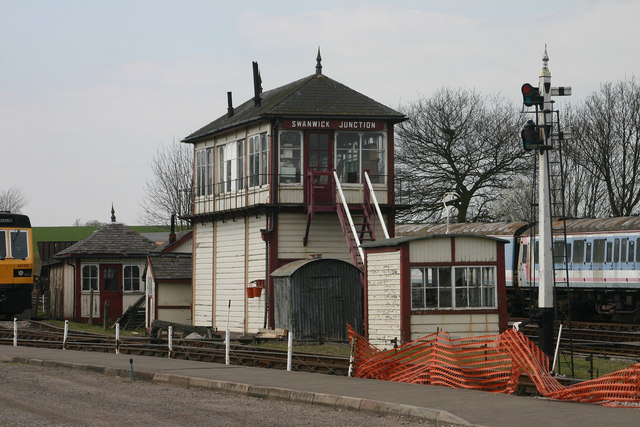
35	395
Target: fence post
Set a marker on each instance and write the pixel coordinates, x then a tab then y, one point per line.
118	338
15	331
66	335
289	349
170	339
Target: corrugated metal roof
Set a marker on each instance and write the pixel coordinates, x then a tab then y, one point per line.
396	241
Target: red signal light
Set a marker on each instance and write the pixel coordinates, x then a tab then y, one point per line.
531	95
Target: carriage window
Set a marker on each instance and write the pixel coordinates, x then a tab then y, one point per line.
631	250
637	251
623	250
587	254
616	250
535	252
19	245
3	244
524	254
609	250
598	250
559	252
578	251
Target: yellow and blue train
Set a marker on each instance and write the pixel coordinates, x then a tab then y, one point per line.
16	265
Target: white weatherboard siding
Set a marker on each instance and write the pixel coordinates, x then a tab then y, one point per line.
69	292
383	298
256	259
325	237
202	274
457	325
230	275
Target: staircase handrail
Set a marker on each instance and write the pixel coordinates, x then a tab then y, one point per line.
375	203
346	209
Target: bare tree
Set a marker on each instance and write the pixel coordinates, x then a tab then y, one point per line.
462	143
167	192
12	200
606	139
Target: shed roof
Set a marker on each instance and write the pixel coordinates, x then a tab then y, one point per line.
171	266
314	96
397	241
113	239
291	267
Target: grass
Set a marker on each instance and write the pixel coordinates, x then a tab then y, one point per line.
95	329
601	366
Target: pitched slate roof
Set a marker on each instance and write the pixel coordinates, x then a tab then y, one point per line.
113	239
171	266
315	96
179	236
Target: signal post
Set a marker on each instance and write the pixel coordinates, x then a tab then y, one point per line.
538	136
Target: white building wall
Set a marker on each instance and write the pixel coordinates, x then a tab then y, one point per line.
202	274
457	325
69	292
256	259
229	275
325	237
383	298
430	250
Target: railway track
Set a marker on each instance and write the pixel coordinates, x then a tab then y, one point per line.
38	334
606	339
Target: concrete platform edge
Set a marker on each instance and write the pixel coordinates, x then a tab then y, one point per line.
439	417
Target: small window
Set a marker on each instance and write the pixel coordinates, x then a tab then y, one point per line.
578	251
587	254
616	250
131	278
623	249
609	250
631	250
523	259
89	277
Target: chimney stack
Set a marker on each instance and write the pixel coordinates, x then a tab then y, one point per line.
230	110
257	85
172	234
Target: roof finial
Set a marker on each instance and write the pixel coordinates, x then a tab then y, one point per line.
113	214
545	62
318	62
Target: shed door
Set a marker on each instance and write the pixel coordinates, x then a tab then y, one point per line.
111	290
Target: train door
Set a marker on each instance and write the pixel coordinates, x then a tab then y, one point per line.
111	290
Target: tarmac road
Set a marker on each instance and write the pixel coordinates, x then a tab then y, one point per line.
51	396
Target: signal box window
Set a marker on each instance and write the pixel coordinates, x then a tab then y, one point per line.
89	277
290	157
357	152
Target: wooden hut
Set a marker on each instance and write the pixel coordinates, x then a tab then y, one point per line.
316	298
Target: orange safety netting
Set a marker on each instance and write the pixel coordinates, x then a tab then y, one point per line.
490	363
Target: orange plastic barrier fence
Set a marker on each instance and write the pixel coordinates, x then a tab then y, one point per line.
490	363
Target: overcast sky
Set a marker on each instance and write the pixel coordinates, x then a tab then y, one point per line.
90	89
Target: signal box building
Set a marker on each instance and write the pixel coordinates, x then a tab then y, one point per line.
419	285
276	180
